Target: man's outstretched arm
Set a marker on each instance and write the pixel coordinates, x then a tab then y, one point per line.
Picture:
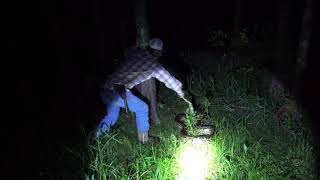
170	82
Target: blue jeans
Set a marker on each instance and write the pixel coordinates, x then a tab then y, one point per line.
114	104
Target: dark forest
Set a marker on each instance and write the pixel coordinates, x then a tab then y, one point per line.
60	53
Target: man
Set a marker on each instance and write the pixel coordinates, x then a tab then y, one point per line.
140	65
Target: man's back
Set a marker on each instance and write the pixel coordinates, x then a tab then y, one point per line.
137	67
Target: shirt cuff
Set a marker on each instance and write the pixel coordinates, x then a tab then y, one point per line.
180	93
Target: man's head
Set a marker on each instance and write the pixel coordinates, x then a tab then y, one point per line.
156	45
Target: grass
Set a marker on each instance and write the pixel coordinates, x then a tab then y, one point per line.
249	143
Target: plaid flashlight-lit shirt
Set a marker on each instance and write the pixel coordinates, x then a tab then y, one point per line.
139	67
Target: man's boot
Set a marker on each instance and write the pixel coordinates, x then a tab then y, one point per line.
145	138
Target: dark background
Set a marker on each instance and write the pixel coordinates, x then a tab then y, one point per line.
55	62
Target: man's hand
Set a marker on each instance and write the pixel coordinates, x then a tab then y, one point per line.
181	94
189	104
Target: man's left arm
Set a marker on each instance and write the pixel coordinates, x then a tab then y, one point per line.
170	82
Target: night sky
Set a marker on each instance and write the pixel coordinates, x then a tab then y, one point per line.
55	62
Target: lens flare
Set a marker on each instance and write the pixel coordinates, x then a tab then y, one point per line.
195	159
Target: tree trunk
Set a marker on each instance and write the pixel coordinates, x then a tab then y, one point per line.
147	88
125	28
282	48
140	14
304	43
123	38
236	34
99	37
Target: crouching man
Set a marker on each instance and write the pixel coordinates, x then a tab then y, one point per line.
139	66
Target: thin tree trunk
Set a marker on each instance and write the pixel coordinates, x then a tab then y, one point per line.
124	29
100	45
304	43
142	27
236	34
281	50
123	37
147	88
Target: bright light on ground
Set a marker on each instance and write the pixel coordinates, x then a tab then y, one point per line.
195	159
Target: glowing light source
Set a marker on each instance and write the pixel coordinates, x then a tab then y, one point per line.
195	159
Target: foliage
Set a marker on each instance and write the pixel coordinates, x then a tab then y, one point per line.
218	38
244	38
200	86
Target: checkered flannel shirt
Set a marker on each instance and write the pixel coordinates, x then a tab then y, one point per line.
139	67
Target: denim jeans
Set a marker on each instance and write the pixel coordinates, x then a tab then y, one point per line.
113	106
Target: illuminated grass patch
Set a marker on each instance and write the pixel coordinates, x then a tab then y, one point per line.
195	159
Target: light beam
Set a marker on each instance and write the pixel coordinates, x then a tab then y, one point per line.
195	159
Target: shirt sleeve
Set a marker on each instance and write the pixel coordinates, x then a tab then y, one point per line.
165	77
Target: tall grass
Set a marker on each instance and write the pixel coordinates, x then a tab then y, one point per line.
115	157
